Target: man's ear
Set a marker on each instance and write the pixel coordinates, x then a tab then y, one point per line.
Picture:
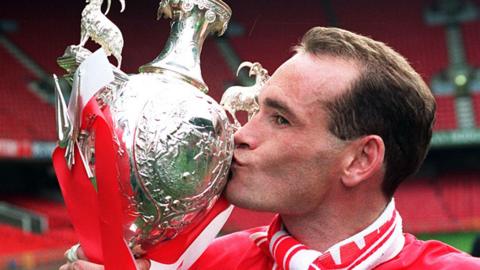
363	160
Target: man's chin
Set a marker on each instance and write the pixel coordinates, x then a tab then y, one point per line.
232	194
238	198
238	194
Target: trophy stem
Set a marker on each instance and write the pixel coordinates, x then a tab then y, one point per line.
192	22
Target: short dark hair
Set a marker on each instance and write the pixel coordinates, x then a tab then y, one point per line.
388	99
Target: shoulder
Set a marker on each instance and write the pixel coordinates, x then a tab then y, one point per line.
418	254
234	242
232	251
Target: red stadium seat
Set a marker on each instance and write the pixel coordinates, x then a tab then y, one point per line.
446	118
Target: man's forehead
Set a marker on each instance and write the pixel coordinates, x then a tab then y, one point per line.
288	96
313	78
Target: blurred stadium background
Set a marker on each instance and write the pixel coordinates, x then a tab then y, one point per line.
441	39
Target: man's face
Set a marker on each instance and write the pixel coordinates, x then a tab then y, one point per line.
285	157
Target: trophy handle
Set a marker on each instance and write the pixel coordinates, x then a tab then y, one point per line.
64	125
245	98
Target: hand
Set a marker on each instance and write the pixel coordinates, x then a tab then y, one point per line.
83	264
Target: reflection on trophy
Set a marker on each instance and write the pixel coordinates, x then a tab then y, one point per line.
173	142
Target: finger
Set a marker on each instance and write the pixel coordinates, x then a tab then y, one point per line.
85	265
71	254
81	254
65	267
142	264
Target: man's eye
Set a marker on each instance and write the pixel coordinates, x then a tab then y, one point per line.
280	120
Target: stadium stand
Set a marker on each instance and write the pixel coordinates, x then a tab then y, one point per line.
28	251
445	117
471	32
140	48
269	36
443	202
471	39
57	26
26	116
54	211
424	46
459	192
476	107
417	201
447	203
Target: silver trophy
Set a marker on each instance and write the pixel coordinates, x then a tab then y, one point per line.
178	141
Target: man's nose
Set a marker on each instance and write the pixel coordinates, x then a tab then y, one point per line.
244	137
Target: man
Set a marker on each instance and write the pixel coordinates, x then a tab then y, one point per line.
341	124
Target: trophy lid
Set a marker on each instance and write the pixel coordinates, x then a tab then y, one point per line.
217	12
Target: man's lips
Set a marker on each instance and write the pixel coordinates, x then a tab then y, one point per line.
236	162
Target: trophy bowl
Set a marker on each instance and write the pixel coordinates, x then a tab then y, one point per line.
179	144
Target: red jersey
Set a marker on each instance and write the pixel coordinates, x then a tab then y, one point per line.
238	252
380	246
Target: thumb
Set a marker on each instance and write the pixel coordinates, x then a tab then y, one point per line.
142	264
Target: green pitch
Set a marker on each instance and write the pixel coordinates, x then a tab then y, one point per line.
459	240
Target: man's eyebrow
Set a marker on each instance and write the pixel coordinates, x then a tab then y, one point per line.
280	106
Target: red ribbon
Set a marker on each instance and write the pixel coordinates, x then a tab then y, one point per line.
82	203
168	252
96	216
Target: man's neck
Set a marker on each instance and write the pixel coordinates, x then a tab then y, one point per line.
333	223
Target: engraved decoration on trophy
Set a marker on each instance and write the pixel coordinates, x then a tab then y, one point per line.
177	140
245	98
